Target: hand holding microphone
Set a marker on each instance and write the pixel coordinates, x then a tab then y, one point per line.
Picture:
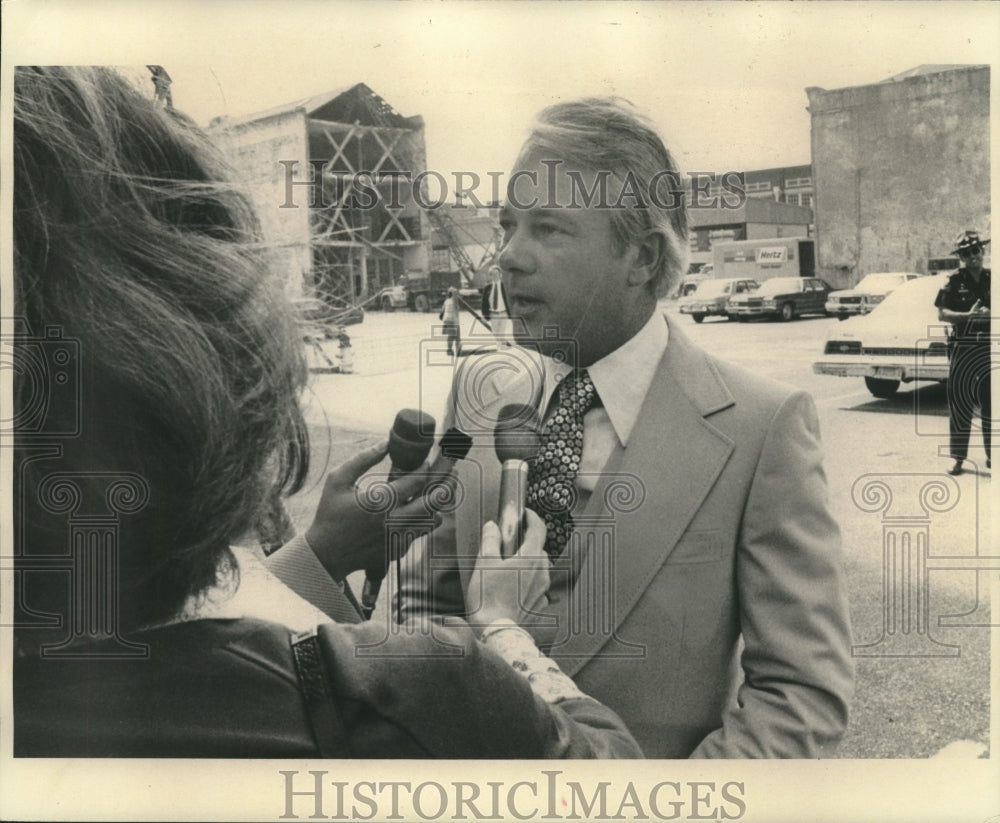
345	536
509	588
410	441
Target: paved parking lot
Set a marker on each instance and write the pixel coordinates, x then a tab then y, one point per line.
922	688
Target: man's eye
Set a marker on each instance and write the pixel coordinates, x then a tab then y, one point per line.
546	228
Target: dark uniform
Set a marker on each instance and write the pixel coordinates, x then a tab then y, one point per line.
969	359
494	300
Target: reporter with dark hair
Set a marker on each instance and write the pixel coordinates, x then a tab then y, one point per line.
176	422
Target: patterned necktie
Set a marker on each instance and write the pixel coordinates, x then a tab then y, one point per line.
552	475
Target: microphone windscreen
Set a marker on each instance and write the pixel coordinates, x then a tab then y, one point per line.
410	439
516	435
455	444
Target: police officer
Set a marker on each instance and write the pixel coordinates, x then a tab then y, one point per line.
964	301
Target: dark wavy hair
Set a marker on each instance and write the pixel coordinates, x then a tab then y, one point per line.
130	238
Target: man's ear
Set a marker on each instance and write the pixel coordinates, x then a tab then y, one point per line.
649	252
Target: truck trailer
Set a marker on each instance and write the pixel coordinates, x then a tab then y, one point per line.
764	259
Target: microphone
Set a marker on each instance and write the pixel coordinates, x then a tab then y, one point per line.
455	445
410	441
516	441
439	494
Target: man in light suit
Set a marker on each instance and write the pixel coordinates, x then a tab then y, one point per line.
699	592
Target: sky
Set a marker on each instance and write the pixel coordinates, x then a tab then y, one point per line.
725	82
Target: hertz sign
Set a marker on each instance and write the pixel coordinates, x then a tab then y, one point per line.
772	255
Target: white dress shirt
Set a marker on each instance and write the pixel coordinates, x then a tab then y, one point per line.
622	380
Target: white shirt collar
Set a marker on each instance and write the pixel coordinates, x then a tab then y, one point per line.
252	592
623	377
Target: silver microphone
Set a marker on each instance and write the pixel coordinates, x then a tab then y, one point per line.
516	441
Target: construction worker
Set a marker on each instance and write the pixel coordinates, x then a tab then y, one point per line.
449	314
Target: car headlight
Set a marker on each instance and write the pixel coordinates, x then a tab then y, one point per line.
876	298
769	303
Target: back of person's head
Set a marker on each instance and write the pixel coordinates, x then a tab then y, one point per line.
607	134
130	239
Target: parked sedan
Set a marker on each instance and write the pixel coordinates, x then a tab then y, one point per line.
865	296
900	341
784	297
711	297
689	284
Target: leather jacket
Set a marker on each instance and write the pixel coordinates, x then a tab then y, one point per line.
232	688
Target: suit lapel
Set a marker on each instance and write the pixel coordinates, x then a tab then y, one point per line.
674	457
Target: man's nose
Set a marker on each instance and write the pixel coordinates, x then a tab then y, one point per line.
515	256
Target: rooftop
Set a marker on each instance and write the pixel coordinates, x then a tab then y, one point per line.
350	104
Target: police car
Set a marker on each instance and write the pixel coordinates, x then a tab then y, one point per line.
900	341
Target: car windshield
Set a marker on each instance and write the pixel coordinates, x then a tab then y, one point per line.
780	285
879	282
713	288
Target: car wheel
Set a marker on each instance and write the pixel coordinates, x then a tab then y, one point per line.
421	303
387	304
697	317
788	312
729	317
880	387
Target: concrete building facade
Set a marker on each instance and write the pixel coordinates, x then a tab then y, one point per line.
785	184
899	168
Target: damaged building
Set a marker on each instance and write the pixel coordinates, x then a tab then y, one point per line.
331	179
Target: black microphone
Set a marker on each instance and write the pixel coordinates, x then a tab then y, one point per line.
516	441
439	494
455	445
410	441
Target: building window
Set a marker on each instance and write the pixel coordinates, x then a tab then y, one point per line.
798	182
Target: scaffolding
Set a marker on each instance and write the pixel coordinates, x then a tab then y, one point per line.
360	247
348	246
